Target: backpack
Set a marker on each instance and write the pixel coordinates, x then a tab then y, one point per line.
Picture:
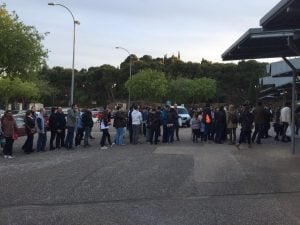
234	118
207	119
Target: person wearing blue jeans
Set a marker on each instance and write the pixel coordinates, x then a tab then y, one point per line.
119	123
71	122
41	130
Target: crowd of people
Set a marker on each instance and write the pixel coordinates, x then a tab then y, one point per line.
156	124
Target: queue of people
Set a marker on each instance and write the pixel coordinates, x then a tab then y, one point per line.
208	124
219	125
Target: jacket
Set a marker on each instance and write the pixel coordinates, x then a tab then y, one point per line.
285	115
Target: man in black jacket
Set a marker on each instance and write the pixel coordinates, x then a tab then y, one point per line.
61	128
87	123
53	126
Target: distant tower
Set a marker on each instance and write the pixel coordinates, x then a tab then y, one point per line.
178	55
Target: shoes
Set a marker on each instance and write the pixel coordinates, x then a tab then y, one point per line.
104	148
5	156
10	157
238	146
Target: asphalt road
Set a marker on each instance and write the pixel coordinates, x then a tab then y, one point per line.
167	184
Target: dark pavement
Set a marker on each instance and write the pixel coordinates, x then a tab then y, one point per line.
168	184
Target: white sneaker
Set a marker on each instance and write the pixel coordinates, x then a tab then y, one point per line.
10	157
5	156
104	148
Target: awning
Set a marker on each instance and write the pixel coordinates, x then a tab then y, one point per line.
258	43
285	15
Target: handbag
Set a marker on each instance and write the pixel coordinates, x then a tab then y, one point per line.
15	135
288	131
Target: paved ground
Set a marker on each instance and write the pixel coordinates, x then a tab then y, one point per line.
179	184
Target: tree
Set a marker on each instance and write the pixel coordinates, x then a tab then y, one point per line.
21	51
183	90
148	85
13	89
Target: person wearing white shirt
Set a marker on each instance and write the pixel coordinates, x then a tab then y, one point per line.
137	119
286	118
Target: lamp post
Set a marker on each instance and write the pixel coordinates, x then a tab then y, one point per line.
130	64
73	60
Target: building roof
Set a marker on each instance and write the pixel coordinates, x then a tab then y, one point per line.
259	43
285	15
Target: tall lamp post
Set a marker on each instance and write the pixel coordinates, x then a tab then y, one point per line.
130	64
73	60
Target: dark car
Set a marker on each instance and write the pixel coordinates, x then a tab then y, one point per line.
20	121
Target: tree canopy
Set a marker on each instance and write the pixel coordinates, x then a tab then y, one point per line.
21	51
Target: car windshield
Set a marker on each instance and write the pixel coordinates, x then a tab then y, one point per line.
182	111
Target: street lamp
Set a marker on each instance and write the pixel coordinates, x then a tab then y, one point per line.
73	60
130	64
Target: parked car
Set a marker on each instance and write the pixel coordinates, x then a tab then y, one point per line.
184	115
20	121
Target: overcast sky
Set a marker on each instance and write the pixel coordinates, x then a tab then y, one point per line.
197	28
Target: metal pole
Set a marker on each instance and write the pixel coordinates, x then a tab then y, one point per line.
73	58
293	103
73	62
130	71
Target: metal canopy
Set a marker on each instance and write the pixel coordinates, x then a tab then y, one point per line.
258	43
285	15
279	37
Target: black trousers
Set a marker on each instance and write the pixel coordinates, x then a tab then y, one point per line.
53	135
154	131
8	146
105	135
60	139
79	136
28	143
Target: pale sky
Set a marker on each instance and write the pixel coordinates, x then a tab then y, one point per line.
197	28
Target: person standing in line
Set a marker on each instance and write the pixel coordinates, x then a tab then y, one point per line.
286	118
40	126
119	124
246	120
61	128
176	126
208	121
137	120
171	120
34	113
220	125
154	123
53	127
145	116
9	126
79	130
30	130
71	122
87	123
259	121
104	127
195	126
129	124
232	122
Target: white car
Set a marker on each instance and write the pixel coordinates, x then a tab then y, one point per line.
184	115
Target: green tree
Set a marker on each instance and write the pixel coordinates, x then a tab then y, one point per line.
13	89
148	85
21	51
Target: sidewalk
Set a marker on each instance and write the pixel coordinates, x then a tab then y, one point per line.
169	184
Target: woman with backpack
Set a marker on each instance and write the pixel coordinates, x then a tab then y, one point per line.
232	122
